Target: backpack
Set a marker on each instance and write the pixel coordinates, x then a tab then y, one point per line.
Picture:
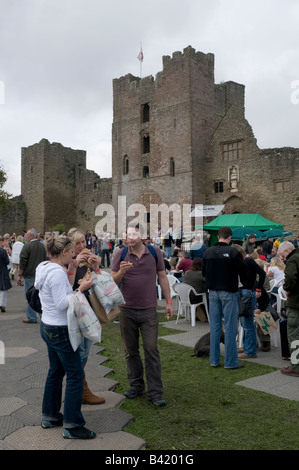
32	296
150	247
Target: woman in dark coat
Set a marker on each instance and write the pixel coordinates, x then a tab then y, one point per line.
4	278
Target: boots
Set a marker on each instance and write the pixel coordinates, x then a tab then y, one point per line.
88	398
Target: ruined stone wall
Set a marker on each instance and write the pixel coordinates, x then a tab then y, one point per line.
266	180
58	189
280	186
13	216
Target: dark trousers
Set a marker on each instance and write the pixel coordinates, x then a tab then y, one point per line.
106	254
293	336
145	322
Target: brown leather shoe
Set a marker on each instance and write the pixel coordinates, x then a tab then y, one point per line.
245	356
28	321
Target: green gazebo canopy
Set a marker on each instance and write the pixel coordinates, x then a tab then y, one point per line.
239	220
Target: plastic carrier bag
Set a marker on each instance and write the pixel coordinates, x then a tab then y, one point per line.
107	292
82	321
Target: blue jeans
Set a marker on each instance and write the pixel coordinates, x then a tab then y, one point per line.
223	304
249	338
84	349
31	314
168	251
63	360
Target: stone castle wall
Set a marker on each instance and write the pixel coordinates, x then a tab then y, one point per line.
13	216
267	179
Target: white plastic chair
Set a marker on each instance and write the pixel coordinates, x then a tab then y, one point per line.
273	283
172	280
280	298
159	289
183	291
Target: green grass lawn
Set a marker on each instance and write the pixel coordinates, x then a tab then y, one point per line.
205	409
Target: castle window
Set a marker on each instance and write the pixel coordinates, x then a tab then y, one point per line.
126	165
146	144
145	113
172	170
282	186
145	172
218	186
231	151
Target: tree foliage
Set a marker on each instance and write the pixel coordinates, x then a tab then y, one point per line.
4	195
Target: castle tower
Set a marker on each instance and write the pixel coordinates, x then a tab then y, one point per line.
48	184
162	131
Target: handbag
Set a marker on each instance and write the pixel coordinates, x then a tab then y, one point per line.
245	306
32	296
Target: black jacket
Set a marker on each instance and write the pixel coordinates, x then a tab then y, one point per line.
291	279
222	264
250	281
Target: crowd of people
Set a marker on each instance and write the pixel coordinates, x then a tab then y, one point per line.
227	272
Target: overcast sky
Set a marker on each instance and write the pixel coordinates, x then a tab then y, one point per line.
58	59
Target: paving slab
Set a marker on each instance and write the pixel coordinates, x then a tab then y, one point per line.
10	404
274	383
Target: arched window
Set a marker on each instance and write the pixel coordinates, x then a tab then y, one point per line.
126	165
146	144
145	172
145	113
172	170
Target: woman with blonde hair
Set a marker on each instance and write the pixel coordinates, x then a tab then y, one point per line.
81	262
276	270
54	291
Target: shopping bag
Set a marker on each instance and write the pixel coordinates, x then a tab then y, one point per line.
265	322
89	324
99	310
107	291
74	331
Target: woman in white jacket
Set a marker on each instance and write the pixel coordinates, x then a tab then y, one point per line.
55	290
15	256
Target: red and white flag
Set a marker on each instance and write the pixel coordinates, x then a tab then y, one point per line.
140	55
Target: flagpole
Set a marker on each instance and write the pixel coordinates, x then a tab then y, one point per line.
140	58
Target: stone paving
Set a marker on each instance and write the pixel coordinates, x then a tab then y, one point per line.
23	370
